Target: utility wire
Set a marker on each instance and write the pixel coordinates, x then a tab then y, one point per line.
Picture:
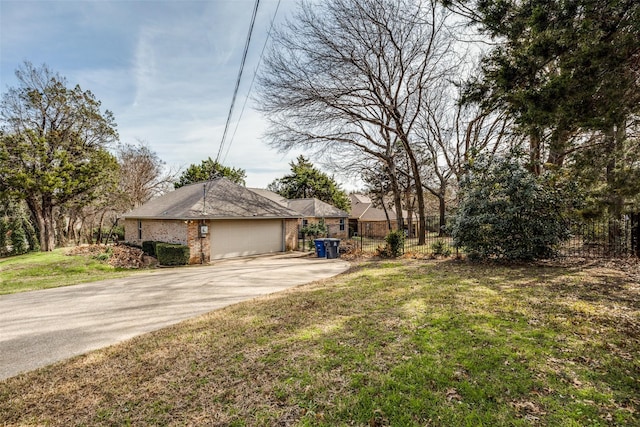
235	92
264	46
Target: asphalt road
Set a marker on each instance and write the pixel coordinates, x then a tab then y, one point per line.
42	327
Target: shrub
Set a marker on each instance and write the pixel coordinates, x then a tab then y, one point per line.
149	247
172	254
505	212
315	230
104	256
394	246
439	247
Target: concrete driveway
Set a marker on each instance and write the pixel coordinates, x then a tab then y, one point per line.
42	327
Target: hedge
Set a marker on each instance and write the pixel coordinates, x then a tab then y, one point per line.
172	254
149	247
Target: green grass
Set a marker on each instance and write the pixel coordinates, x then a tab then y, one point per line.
402	343
42	270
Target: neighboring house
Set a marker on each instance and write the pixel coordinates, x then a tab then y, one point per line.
216	219
313	211
367	220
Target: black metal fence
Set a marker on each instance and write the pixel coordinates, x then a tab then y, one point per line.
592	238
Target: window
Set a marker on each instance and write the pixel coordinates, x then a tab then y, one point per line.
139	230
341	224
305	222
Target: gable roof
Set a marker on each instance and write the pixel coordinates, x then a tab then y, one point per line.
359	198
362	209
216	199
314	208
366	212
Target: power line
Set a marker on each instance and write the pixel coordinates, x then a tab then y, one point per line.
235	91
255	72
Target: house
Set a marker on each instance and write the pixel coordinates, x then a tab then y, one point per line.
216	219
367	220
313	211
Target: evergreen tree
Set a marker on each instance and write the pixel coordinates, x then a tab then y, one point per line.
18	238
306	181
560	67
53	147
210	169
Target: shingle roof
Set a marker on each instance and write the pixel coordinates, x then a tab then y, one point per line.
366	212
359	198
224	200
362	209
271	195
314	208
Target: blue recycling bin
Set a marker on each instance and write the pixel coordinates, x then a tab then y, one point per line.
320	249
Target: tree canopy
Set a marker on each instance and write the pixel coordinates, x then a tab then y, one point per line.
142	175
53	146
355	73
560	67
210	169
306	181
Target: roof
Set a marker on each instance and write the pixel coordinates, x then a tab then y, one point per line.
359	198
366	212
216	199
309	208
314	208
270	195
362	209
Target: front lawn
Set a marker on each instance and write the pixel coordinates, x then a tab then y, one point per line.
406	343
42	270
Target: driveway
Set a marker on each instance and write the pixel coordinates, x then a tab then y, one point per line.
42	327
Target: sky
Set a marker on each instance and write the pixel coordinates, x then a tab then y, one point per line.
165	68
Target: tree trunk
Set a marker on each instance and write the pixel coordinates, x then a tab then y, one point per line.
415	169
441	211
42	212
557	148
100	225
397	197
409	206
535	152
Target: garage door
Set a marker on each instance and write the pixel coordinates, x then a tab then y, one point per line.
241	238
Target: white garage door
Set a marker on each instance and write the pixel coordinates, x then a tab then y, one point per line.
245	237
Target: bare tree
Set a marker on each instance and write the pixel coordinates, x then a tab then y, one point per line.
142	175
353	73
450	133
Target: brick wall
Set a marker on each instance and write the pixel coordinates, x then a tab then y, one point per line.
333	226
169	231
199	245
291	234
376	228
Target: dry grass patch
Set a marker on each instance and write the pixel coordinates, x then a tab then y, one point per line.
390	343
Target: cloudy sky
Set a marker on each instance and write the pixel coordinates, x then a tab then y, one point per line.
165	68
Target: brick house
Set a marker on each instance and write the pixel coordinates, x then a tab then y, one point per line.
216	219
367	220
313	211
